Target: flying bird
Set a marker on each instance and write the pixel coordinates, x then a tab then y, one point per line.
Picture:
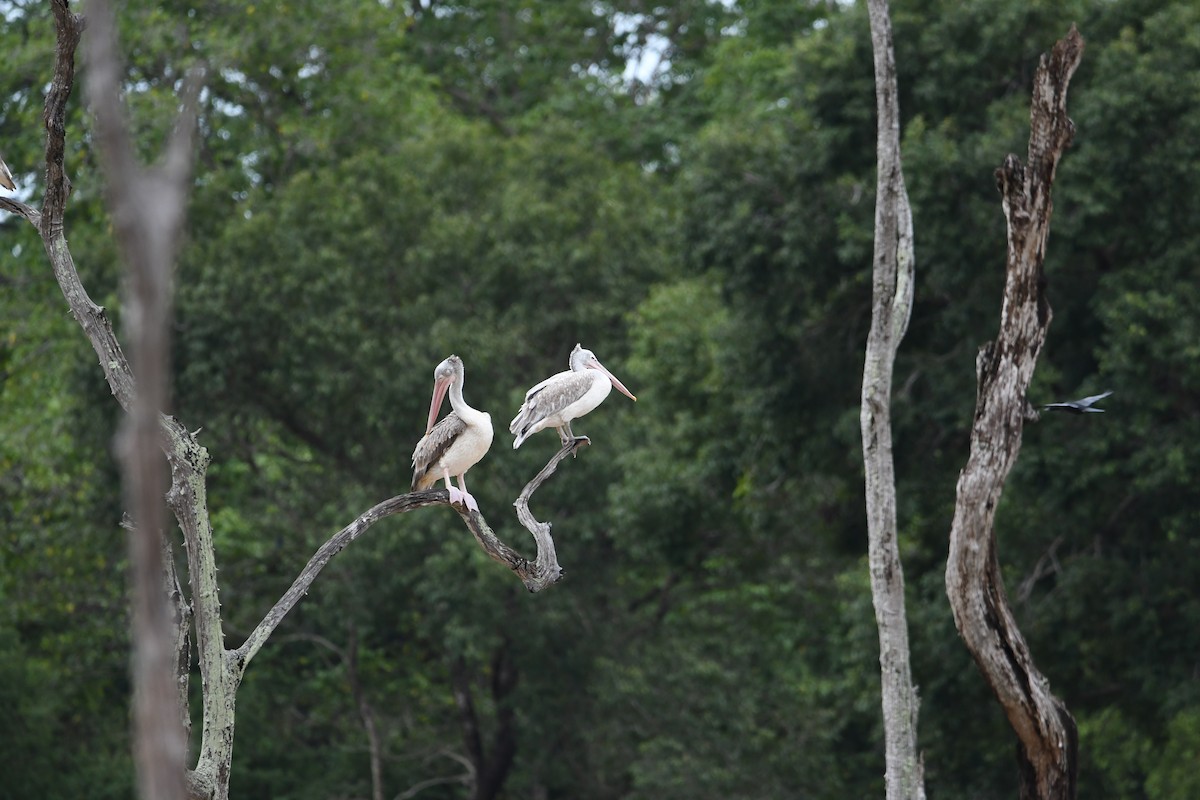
556	401
6	178
454	445
1081	406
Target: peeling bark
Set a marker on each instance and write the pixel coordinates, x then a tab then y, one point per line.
1048	739
892	297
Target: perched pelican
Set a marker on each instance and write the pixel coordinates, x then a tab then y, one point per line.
6	179
556	401
456	443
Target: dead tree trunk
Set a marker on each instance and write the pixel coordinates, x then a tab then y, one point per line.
148	231
892	296
1048	740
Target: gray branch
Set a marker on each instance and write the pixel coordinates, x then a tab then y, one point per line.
31	215
1047	735
325	553
545	570
891	306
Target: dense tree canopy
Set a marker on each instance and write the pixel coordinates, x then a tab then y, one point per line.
382	184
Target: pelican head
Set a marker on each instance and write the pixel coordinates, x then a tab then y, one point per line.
582	359
444	375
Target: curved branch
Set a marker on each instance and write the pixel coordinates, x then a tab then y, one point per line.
31	215
536	575
399	504
546	569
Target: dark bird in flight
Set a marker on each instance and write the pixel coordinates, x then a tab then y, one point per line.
1081	406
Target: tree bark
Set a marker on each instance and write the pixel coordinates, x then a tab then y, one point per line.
892	294
1048	740
147	214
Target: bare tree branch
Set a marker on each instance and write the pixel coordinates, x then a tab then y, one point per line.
1049	740
546	570
68	28
90	316
1046	565
31	215
325	553
892	297
181	627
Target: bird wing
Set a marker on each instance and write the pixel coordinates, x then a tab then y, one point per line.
6	178
551	396
432	447
1087	401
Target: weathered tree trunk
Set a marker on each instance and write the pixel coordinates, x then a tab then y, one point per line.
1048	740
891	306
148	213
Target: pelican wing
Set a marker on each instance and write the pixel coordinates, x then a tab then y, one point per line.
6	178
432	447
549	397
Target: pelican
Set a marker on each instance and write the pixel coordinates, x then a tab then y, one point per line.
456	443
556	401
6	178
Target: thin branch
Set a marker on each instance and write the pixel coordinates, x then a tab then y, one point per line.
1046	565
181	626
395	505
547	569
31	215
544	570
68	28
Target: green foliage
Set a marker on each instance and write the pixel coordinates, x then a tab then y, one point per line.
1172	775
382	184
